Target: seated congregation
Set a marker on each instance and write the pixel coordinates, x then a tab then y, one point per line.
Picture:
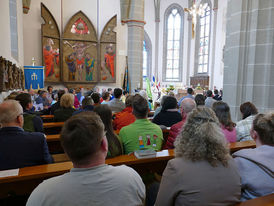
99	126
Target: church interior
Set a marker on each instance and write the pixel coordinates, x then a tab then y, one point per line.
222	50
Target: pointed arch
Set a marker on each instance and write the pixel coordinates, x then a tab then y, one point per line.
79	46
50	46
173	43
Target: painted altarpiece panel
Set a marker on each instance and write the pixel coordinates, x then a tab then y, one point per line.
108	52
50	46
79	50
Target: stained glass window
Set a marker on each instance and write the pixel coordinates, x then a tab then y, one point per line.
172	53
205	20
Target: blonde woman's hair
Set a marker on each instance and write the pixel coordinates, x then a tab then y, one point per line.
202	138
67	100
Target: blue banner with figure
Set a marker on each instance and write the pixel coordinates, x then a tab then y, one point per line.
34	77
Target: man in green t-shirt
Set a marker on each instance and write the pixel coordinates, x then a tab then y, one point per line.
142	134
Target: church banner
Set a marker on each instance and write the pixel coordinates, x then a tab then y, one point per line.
34	77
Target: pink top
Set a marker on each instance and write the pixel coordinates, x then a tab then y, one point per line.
231	136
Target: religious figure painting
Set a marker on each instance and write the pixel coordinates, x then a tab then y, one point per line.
50	46
51	58
79	61
108	62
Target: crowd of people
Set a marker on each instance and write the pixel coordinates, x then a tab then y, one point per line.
108	124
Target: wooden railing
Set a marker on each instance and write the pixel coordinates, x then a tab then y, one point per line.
29	177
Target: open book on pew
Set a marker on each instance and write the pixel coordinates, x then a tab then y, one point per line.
145	153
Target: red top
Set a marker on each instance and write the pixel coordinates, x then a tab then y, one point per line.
123	119
173	133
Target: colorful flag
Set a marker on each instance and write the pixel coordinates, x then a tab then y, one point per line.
125	82
149	94
34	77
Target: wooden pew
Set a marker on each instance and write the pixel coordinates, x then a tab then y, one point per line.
235	146
267	200
54	144
52	127
47	118
30	177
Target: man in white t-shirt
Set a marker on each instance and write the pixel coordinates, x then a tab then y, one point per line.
90	181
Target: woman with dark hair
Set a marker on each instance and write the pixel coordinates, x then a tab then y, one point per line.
256	166
200	100
169	114
222	111
202	172
243	127
114	144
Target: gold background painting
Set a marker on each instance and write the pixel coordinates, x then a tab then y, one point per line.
79	61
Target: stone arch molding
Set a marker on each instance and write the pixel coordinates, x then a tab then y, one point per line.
76	55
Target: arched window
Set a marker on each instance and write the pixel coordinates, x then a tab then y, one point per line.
147	56
13	28
203	39
173	38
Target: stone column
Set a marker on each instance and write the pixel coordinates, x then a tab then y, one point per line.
135	24
157	4
249	55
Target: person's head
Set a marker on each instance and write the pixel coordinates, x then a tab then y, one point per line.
140	107
72	91
31	92
248	109
187	105
222	111
25	100
200	99
11	114
163	100
12	96
190	91
105	114
143	93
67	100
86	102
110	90
202	138
216	92
169	103
117	93
60	94
95	97
125	93
83	139
106	96
129	100
50	88
263	128
43	94
209	93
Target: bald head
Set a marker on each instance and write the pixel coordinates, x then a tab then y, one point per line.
187	105
11	114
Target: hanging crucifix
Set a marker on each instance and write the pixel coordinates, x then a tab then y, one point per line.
194	11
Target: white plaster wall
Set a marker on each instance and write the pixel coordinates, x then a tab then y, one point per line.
107	9
5	44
